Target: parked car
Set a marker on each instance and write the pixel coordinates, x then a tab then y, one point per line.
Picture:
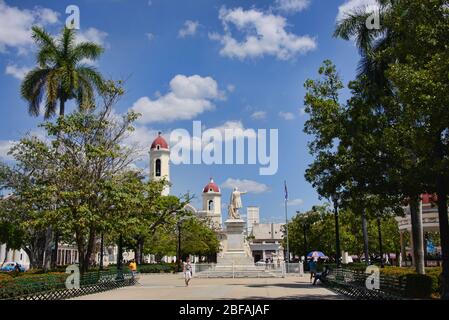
12	266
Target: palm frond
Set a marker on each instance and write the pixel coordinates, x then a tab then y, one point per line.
32	89
67	41
47	57
43	38
91	75
86	50
85	95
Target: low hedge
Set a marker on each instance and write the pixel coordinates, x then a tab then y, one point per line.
157	268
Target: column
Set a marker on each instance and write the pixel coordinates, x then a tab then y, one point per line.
412	249
403	255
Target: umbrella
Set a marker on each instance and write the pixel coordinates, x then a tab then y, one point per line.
317	254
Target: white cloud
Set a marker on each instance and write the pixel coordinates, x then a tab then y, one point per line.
259	115
141	139
150	36
352	5
295	202
241	131
92	35
15	25
188	97
17	72
189	29
245	185
5	146
230	87
287	115
292	6
263	34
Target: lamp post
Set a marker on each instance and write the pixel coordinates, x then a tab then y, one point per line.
178	224
101	251
379	230
178	258
304	231
120	259
337	231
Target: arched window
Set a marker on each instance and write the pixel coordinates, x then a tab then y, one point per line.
158	168
211	205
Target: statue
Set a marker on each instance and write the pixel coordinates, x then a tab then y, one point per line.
235	205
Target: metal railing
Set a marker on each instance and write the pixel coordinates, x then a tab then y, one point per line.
53	286
237	270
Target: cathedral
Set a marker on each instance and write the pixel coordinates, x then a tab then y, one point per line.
211	195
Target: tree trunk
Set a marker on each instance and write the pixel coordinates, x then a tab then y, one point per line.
417	234
101	251
89	251
48	249
365	238
444	236
120	259
6	254
54	258
62	107
141	249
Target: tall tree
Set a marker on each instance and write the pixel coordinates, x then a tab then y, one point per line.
419	76
378	88
61	74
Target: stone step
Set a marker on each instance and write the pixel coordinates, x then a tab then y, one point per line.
239	274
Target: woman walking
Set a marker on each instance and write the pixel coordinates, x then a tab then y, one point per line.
187	272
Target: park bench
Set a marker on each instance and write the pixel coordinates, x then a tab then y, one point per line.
352	283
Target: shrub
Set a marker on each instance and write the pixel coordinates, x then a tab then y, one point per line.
418	286
156	268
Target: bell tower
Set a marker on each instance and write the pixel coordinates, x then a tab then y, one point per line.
212	203
160	161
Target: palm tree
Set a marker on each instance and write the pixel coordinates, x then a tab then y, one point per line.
370	42
61	74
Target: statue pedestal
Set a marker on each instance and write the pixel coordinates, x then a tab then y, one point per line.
236	251
234	232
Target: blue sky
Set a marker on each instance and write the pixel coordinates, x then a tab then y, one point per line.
163	48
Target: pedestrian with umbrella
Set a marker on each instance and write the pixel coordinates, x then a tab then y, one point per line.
313	263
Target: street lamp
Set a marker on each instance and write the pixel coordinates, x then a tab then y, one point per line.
178	224
304	230
379	230
337	230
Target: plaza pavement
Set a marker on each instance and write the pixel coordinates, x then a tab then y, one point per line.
171	287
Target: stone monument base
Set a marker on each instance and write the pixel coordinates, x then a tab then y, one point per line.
237	252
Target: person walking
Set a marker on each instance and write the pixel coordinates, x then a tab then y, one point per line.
187	272
133	267
313	268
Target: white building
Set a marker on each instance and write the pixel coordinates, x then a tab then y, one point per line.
253	217
18	256
266	241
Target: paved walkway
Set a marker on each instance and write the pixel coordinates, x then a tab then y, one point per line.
171	287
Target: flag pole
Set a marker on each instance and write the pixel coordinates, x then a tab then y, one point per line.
286	224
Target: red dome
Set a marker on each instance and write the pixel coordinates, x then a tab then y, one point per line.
211	187
159	141
429	198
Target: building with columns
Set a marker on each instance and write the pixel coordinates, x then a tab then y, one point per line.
430	223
